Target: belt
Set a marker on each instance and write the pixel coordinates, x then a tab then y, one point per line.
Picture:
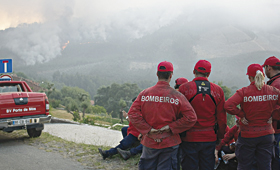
160	136
256	128
201	129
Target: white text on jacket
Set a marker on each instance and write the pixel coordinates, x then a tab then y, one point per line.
260	98
160	99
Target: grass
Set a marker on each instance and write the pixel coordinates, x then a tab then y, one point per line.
102	121
62	114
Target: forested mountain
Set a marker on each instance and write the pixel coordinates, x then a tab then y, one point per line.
118	58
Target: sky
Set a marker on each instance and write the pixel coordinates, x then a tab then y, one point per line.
37	31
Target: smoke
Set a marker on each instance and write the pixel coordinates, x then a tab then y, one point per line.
37	31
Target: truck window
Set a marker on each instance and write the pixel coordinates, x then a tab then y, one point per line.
10	88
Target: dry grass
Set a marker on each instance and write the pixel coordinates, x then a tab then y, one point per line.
63	114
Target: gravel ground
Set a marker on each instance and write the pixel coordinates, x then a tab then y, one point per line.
86	134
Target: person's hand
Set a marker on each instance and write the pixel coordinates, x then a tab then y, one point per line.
140	136
124	113
164	129
269	120
228	156
154	131
216	156
244	121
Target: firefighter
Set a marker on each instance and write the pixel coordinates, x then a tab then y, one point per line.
179	82
257	102
130	139
207	99
272	71
160	113
227	144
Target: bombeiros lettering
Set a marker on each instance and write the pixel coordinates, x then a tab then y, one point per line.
260	98
159	99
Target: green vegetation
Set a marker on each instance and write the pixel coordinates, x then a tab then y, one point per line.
116	97
228	94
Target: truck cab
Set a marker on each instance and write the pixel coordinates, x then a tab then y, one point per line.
21	108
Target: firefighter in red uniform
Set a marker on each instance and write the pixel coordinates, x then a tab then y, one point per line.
208	100
272	71
257	102
230	138
179	82
160	113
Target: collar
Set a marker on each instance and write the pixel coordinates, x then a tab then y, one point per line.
163	83
253	83
274	77
200	78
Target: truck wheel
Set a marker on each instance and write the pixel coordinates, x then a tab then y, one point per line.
33	133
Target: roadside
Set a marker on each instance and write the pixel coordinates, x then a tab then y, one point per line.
86	134
17	155
86	154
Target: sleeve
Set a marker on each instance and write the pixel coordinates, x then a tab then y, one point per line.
187	120
276	114
232	102
136	118
221	116
228	137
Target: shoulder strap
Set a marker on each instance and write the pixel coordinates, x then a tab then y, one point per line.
203	87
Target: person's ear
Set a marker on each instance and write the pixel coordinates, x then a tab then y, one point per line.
208	75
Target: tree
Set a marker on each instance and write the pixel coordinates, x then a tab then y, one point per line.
98	109
122	104
109	96
227	90
227	93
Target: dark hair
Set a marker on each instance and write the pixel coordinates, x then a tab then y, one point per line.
177	86
201	74
164	75
275	67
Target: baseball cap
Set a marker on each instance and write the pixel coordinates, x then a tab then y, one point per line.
271	61
181	80
203	66
253	68
165	66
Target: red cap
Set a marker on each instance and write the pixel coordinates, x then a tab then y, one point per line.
271	61
165	66
253	68
203	66
181	80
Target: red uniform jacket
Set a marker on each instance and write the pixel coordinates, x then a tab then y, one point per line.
275	82
159	106
132	130
208	113
256	106
229	136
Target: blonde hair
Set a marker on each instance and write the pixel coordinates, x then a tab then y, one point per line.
259	80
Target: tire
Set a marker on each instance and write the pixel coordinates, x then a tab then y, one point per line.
33	133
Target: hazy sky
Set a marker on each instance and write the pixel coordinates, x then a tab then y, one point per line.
39	29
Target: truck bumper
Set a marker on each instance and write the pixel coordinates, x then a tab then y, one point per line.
25	122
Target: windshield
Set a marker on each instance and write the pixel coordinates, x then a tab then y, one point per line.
10	88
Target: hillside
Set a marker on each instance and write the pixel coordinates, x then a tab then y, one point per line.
229	47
